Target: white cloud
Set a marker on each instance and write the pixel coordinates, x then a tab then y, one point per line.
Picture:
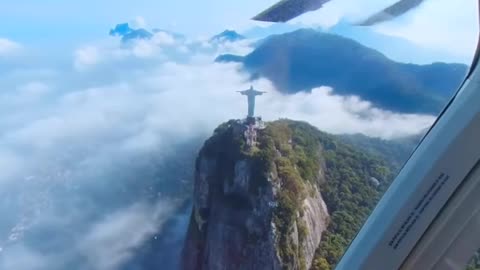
77	158
22	258
144	48
8	47
111	242
337	114
109	53
25	94
138	22
34	88
163	39
85	57
183	49
11	164
242	47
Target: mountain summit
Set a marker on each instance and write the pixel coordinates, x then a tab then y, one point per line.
305	59
293	200
227	35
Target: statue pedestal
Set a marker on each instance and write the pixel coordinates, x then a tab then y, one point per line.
256	122
250	120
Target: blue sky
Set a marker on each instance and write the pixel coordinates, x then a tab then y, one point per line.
445	27
32	20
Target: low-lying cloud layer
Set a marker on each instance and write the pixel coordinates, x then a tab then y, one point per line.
102	246
92	152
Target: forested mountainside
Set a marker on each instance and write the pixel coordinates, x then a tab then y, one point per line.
294	201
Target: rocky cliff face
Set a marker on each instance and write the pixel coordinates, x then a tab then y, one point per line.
256	207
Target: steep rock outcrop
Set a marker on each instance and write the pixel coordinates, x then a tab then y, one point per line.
314	207
254	208
294	199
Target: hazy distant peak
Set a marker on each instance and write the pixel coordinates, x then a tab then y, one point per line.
127	33
121	29
227	35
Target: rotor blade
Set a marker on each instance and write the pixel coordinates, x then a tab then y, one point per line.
286	10
391	12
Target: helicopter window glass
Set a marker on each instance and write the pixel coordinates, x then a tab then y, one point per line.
474	263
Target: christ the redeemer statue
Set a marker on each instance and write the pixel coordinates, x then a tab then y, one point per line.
251	94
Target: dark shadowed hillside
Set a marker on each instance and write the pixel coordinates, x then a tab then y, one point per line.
304	59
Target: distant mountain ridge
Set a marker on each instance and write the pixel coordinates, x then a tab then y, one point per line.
305	59
127	33
227	35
